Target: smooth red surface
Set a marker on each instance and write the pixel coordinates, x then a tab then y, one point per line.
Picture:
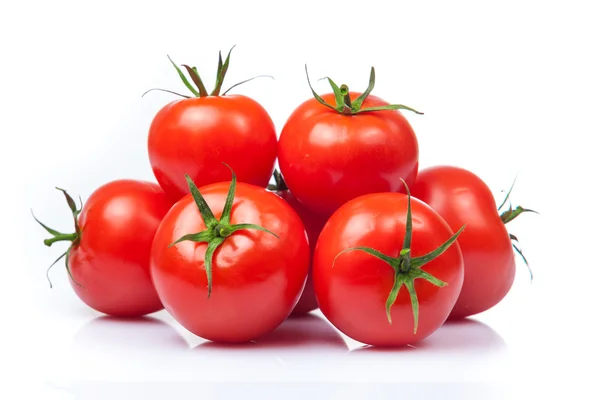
196	136
353	292
327	158
461	197
112	260
313	223
257	278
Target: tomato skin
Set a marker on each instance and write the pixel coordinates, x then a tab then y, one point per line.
112	260
257	278
352	294
195	136
461	197
313	223
328	158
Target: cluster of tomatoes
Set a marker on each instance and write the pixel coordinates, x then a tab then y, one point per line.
387	251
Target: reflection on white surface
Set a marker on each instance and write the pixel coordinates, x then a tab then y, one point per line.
465	351
154	358
308	332
151	349
133	335
465	336
110	356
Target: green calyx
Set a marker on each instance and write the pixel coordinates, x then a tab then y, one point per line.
197	88
279	185
217	231
344	105
509	215
406	268
57	236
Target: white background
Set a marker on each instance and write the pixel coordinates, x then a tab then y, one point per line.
508	88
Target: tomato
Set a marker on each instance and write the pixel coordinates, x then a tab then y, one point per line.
235	275
370	249
331	154
313	223
109	257
196	134
461	197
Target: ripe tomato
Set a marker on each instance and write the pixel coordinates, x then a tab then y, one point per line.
461	197
331	154
394	242
109	257
195	135
242	274
313	223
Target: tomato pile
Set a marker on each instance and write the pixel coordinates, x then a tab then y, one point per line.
230	246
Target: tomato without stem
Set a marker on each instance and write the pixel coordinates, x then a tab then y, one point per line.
196	135
461	197
109	257
234	275
331	154
313	223
383	277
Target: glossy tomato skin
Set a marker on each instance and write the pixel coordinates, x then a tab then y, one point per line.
112	260
461	197
196	136
352	293
328	158
313	223
257	278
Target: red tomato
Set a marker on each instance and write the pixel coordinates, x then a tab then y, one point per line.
196	135
331	154
245	281
109	258
313	223
400	282
461	197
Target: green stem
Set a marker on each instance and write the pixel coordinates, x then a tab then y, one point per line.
217	231
200	90
193	73
221	73
57	236
398	282
183	78
69	237
167	91
346	93
344	104
404	260
414	301
511	214
279	185
406	268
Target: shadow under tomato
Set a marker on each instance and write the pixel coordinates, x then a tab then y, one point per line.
127	334
463	336
457	351
110	349
294	334
306	346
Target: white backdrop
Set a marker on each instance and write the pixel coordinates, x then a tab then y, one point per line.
507	89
